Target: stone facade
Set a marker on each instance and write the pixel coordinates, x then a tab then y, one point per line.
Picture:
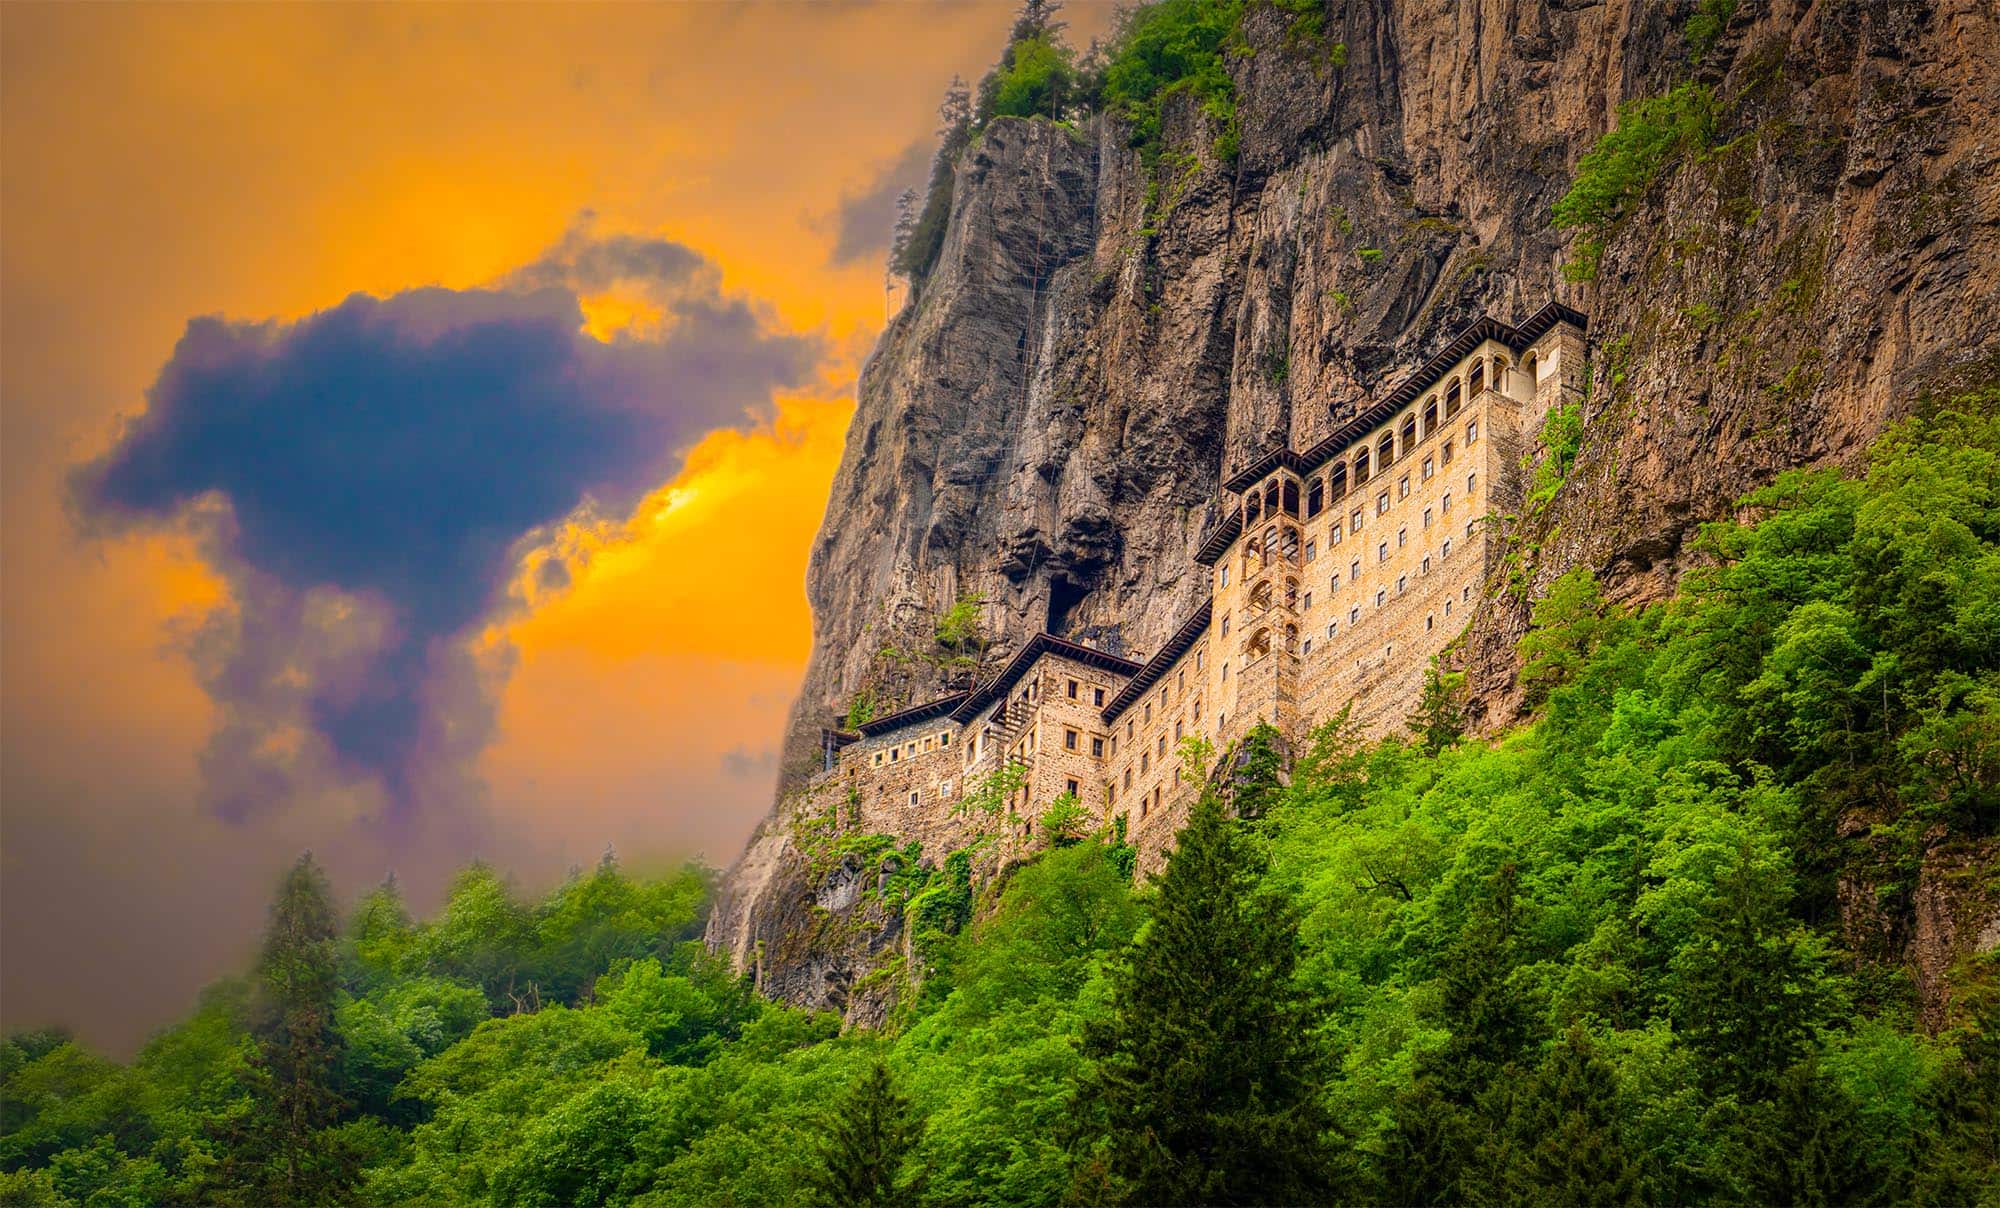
1336	576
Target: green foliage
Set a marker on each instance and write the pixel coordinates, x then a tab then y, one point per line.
1065	821
1439	718
1170	48
989	794
958	629
861	710
869	1142
1596	961
1257	771
1562	436
1651	132
1209	1086
1704	28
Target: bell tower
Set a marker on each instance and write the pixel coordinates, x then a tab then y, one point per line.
1264	638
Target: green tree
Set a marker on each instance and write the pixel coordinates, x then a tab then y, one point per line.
1560	1144
1439	719
1208	1080
869	1142
285	1150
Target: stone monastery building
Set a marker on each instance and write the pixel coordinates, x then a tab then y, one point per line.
1336	575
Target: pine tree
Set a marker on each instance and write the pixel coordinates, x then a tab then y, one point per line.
1208	1081
1560	1142
283	1153
1805	1146
868	1144
1961	1159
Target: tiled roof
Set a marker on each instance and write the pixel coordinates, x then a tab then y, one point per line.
1163	658
1039	645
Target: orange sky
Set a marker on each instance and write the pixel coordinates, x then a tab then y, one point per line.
162	162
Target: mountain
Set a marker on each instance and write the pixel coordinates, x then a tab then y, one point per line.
1783	223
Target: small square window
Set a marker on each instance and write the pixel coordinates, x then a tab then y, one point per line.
1382	503
1355	520
1403	487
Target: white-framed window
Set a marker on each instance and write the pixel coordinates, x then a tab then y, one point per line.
1403	487
1447	550
1332	627
1353	616
1306	647
1381	594
1382	503
913	796
1402	583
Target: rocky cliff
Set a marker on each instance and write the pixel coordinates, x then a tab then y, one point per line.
1044	425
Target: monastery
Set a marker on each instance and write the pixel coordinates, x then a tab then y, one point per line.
1336	575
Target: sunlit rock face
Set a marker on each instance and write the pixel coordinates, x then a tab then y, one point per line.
1046	425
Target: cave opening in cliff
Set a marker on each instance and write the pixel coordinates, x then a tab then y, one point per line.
1064	596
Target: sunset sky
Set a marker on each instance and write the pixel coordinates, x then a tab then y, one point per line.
415	422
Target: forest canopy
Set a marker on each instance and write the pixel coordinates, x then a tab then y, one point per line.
1596	960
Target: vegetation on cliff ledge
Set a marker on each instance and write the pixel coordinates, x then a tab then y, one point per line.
1600	960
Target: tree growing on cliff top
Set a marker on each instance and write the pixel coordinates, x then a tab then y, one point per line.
1208	1080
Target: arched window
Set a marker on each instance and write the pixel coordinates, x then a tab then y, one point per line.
1271	497
1260	596
1291	638
1315	497
1254	508
1288	545
1291	497
1258	646
1385	450
1361	466
1430	415
1477	381
1532	366
1336	482
1409	433
1453	400
1291	593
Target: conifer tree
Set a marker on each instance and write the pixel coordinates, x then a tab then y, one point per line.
1208	1081
282	1152
1560	1143
868	1147
1805	1146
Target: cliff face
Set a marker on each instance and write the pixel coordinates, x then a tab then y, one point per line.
1046	425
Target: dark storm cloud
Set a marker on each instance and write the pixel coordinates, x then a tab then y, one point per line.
863	221
369	472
